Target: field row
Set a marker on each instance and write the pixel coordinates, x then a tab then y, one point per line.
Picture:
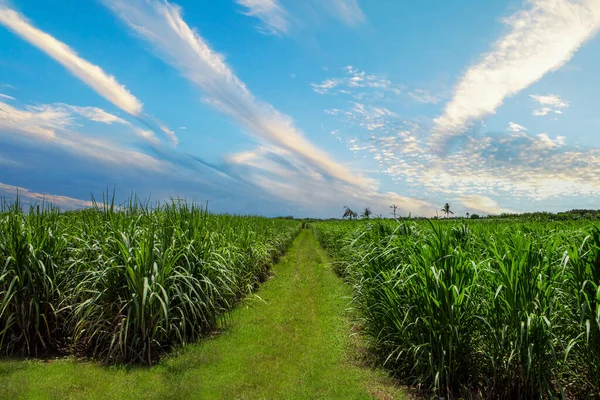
126	283
488	309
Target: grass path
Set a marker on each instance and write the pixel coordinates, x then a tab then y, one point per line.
289	341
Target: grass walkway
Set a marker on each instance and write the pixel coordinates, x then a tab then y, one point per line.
289	341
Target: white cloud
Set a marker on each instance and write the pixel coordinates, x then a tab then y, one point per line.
40	122
284	176
170	134
277	20
270	12
99	115
423	96
346	10
5	96
34	197
95	114
366	116
53	125
512	127
325	86
540	38
355	79
483	205
92	75
161	24
518	165
104	84
541	112
552	102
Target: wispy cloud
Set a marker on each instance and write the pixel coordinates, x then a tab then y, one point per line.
40	122
423	96
540	112
346	10
8	161
99	115
366	116
355	79
517	165
95	114
5	96
28	196
104	84
161	24
483	204
270	12
363	86
551	104
288	178
540	38
512	127
550	100
55	124
92	75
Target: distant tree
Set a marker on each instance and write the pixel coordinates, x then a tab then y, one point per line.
468	215
394	207
348	213
446	210
475	216
367	213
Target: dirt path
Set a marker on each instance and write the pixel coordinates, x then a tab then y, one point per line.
289	341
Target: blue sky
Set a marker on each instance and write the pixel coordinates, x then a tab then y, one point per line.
281	107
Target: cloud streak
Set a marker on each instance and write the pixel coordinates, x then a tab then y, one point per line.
270	12
92	75
35	197
102	83
346	10
162	25
52	125
540	38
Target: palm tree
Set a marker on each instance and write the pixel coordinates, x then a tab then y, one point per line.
394	207
367	213
348	213
446	210
468	215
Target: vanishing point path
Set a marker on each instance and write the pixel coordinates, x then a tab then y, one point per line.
290	340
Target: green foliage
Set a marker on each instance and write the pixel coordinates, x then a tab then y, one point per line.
507	309
290	341
126	283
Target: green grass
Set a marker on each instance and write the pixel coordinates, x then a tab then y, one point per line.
289	340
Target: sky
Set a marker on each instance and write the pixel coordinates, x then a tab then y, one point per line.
302	107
